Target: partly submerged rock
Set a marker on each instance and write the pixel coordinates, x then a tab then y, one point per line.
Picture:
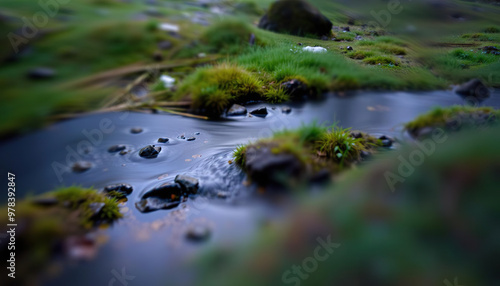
81	166
295	88
136	130
296	17
269	169
116	148
475	89
261	112
236	110
189	184
198	233
163	140
124	189
150	152
166	196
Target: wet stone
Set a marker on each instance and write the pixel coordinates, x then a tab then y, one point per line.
236	110
163	140
197	133
81	166
150	152
116	148
124	189
166	196
356	135
349	48
191	139
124	152
136	130
261	112
286	109
386	143
182	137
198	233
188	184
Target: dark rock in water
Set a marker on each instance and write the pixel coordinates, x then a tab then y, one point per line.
286	109
154	204
198	233
46	202
474	88
269	169
182	137
124	152
81	166
116	148
296	17
166	196
41	73
124	189
349	48
136	130
321	177
96	208
236	110
150	152
197	133
386	143
191	139
261	112
163	140
165	45
189	184
295	88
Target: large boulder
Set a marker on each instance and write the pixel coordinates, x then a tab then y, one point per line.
296	17
474	89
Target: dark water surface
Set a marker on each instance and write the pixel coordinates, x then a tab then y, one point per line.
152	247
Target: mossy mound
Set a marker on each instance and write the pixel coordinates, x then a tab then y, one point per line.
48	225
230	37
296	17
452	119
440	224
213	89
308	153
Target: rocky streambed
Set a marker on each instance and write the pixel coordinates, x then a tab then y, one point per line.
211	204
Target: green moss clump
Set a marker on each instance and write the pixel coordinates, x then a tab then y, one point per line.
50	219
229	37
276	95
316	146
457	116
213	89
392	49
492	30
384	60
359	55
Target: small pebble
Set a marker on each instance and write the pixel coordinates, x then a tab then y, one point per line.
198	233
349	48
81	166
286	109
191	139
116	148
150	152
136	130
163	140
197	133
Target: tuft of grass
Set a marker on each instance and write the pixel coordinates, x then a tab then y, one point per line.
212	89
239	155
276	95
338	144
478	37
392	49
229	36
359	55
492	30
383	60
